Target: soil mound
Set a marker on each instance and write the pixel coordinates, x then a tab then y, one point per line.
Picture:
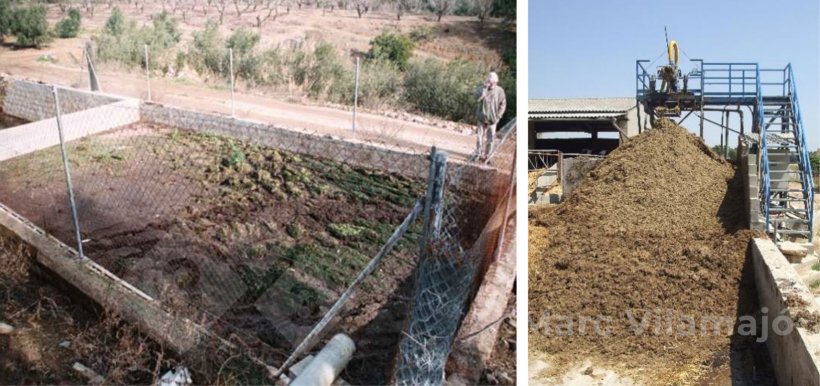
646	248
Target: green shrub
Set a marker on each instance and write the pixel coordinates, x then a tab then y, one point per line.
70	26
247	64
5	18
276	66
380	83
422	33
166	33
394	47
29	26
814	158
115	25
122	41
322	73
507	80
464	8
443	89
207	52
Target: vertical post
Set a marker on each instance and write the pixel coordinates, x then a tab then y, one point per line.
93	83
701	119
230	59
722	129
356	94
726	141
147	72
69	186
433	201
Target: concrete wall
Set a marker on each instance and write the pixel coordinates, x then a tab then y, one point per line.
795	356
747	163
573	172
34	101
475	341
42	134
365	155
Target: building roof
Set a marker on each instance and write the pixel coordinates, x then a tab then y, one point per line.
573	115
580	107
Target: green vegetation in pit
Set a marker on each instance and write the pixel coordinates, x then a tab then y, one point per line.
249	172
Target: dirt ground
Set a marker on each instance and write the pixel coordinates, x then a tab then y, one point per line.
652	239
53	330
257	241
456	37
7	121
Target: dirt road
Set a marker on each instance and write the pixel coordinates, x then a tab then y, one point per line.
64	69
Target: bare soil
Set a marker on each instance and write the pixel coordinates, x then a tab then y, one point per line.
53	330
656	230
7	121
253	241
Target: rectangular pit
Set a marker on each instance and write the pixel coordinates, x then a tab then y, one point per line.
177	204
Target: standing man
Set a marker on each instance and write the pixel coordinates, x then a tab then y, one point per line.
492	103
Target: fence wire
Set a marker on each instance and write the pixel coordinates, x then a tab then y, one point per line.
253	233
252	240
445	277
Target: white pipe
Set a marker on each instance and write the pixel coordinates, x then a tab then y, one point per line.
328	364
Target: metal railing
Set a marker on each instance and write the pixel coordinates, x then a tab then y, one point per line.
802	148
764	154
543	159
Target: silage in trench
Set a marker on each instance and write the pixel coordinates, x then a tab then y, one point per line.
655	232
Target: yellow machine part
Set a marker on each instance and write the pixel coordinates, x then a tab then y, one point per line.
673	50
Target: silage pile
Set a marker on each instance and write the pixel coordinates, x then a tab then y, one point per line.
654	230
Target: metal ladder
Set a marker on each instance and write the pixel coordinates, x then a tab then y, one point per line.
787	207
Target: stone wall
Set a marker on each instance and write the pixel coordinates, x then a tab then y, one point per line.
34	101
399	161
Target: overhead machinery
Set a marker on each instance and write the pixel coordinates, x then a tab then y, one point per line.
777	137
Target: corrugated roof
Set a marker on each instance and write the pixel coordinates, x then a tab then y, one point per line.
571	115
581	105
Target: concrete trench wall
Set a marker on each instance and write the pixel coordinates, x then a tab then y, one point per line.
795	356
34	101
42	134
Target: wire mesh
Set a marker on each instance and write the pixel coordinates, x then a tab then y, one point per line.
445	277
245	228
250	240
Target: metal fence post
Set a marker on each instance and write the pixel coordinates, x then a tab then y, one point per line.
147	72
434	200
230	59
309	340
356	94
69	186
93	83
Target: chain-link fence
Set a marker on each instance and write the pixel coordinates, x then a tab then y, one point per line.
449	263
257	233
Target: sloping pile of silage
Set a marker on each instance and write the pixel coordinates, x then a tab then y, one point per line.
649	247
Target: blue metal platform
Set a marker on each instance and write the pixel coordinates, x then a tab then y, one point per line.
777	131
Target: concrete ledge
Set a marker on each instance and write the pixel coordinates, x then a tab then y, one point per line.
34	101
796	356
177	333
42	134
